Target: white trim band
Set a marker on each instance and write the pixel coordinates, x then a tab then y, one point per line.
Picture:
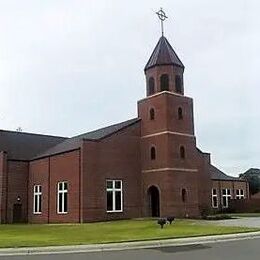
164	92
167	132
170	169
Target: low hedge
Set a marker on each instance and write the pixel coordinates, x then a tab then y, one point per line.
217	217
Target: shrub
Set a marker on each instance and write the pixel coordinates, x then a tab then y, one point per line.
205	210
170	219
161	222
217	217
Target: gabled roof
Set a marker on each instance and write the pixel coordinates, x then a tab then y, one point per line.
75	142
217	174
24	146
106	131
163	54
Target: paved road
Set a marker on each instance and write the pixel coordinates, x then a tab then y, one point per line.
241	222
239	250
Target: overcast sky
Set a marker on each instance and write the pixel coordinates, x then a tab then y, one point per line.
71	66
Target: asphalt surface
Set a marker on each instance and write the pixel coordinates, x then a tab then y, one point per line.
240	222
238	250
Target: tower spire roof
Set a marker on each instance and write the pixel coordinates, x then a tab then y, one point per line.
163	54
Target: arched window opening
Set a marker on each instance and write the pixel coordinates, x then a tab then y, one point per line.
183	195
180	114
164	80
178	84
182	152
152	114
153	153
151	86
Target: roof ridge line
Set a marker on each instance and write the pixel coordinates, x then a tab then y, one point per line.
28	133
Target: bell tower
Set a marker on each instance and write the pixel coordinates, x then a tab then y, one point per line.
164	70
170	161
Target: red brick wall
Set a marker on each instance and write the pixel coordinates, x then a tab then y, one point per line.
169	172
65	167
115	157
170	184
159	124
160	143
17	180
3	188
204	180
39	175
248	205
256	196
195	177
166	107
174	158
48	172
185	125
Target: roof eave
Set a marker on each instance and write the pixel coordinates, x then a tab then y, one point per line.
164	64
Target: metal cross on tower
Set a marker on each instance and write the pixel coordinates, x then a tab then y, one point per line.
162	16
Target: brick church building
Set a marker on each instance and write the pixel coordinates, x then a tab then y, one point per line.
146	166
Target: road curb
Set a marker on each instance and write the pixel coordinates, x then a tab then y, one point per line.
128	245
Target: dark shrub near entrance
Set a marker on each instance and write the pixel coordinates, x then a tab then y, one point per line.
170	219
162	222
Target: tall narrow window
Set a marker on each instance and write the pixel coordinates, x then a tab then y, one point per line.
180	114
114	196
37	199
152	114
62	198
178	84
240	194
151	86
153	153
164	80
182	152
214	197
226	196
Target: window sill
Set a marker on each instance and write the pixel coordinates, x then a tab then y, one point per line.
62	213
115	211
37	213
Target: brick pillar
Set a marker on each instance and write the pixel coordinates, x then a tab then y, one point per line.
3	186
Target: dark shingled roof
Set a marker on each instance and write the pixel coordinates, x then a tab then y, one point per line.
217	174
24	146
163	54
75	142
254	171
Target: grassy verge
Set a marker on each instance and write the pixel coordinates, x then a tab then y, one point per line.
106	232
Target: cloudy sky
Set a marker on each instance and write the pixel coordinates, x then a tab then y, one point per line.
70	66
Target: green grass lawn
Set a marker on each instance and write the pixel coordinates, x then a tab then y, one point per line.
106	232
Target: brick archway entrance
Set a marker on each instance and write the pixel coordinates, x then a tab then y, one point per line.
154	201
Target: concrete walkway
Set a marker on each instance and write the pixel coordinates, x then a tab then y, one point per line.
252	222
127	246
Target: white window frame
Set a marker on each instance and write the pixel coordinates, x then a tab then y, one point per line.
226	196
114	190
62	192
240	195
37	197
213	195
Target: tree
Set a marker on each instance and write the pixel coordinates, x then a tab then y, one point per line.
253	177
